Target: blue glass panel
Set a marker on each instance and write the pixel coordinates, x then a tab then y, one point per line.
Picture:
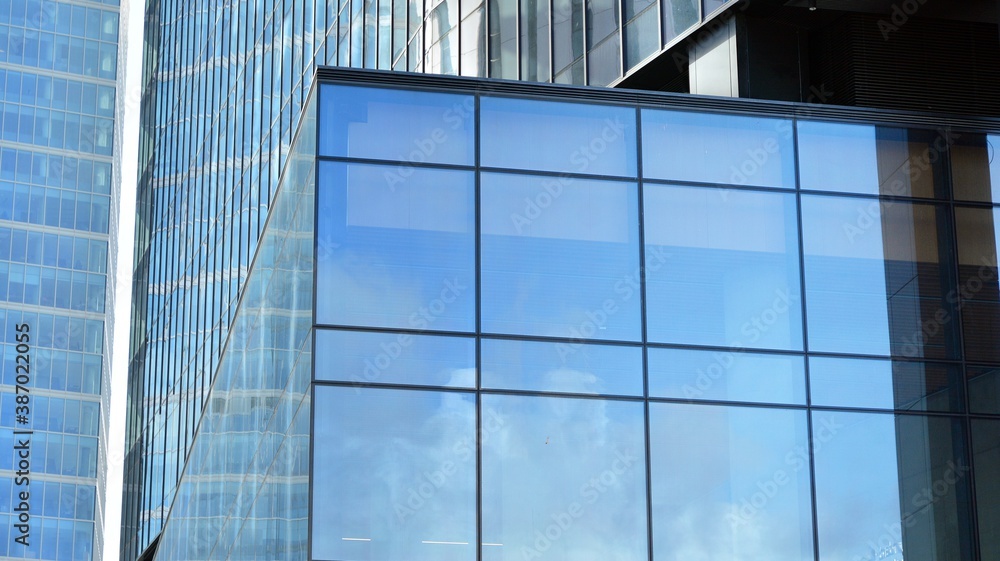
546	271
877	278
563	478
394	475
883	384
823	149
561	367
902	482
726	376
709	148
729	483
406	126
555	136
722	267
391	358
395	255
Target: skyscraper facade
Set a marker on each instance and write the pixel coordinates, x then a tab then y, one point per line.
223	90
58	70
359	305
497	321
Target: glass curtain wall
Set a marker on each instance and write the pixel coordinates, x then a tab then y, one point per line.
563	329
58	64
223	91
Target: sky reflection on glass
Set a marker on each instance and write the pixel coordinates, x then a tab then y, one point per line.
394	475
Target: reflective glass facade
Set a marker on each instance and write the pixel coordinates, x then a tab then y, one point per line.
223	91
58	108
581	327
547	352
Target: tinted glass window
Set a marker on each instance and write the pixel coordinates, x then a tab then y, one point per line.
712	148
722	267
877	278
408	126
385	358
729	483
978	291
726	376
569	470
395	255
546	271
394	475
554	136
909	500
561	367
986	457
883	384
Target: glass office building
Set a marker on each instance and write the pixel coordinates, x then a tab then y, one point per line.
58	68
223	92
496	321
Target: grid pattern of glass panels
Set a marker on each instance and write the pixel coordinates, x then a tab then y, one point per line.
239	496
656	334
223	91
58	65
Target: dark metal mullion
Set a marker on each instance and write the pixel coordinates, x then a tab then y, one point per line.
585	36
552	43
517	38
810	441
478	324
642	327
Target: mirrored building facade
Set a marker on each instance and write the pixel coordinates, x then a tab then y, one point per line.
496	321
631	274
223	92
59	107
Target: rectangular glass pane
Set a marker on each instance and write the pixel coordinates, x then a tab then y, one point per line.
678	17
986	458
729	483
825	147
984	390
877	278
561	367
978	290
604	63
642	36
394	358
405	126
726	376
883	384
901	481
722	267
563	478
547	272
884	160
556	136
394	475
503	39
710	148
975	168
535	41
395	255
567	33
